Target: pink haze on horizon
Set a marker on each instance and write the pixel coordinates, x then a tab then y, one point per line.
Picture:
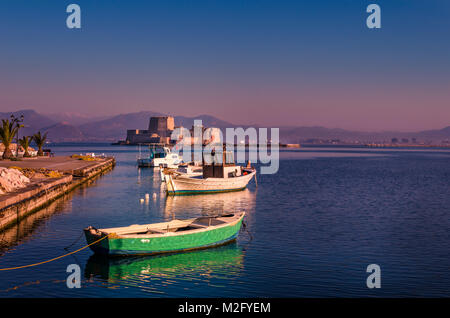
361	109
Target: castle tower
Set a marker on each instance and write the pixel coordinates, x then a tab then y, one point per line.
162	125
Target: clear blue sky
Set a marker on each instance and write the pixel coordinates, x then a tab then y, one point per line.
247	61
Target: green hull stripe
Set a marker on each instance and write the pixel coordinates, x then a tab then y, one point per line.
185	192
139	252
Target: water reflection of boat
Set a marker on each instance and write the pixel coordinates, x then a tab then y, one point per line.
205	204
225	260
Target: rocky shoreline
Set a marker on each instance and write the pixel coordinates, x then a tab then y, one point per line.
12	179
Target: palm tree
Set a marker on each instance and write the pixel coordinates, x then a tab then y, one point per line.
25	143
7	132
40	141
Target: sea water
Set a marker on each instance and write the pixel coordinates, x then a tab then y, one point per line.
312	230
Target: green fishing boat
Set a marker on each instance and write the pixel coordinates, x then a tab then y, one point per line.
165	237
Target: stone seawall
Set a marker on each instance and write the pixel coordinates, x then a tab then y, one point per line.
21	203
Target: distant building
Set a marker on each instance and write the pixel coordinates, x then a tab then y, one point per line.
162	126
159	131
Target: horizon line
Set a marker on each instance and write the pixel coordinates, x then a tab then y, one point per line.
105	117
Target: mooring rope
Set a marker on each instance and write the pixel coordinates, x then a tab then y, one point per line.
53	259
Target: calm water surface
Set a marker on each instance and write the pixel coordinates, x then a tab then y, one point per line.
312	230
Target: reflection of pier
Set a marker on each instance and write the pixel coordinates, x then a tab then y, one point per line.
140	271
23	230
211	204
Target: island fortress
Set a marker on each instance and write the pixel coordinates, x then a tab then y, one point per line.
159	131
161	128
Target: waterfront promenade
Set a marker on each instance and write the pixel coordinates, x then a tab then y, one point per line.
63	164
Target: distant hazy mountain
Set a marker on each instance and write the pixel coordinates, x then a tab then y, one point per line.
302	134
207	121
115	128
33	121
307	134
75	119
437	133
81	128
63	132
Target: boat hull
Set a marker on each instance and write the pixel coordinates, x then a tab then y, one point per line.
156	163
119	246
184	185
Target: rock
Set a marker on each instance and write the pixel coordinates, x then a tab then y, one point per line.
12	179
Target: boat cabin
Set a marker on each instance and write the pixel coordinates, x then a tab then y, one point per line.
220	164
159	152
190	168
163	153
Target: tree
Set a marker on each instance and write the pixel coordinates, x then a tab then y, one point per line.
40	141
7	132
25	143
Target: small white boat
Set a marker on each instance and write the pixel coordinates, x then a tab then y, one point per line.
216	177
160	157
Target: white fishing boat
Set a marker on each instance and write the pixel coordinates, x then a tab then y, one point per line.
217	176
160	157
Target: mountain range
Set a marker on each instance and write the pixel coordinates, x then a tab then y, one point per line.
72	127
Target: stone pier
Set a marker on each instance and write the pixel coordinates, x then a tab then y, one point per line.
17	205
